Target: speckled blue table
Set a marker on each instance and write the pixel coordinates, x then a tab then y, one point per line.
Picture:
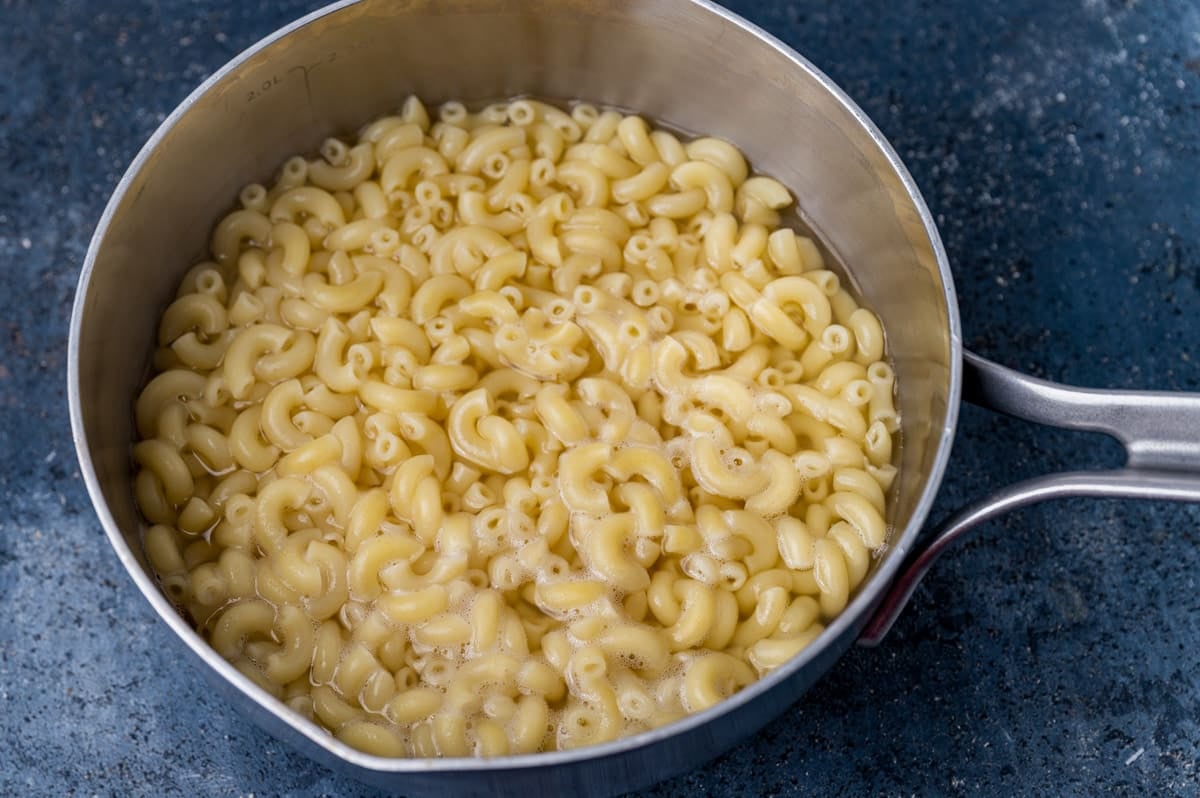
1055	653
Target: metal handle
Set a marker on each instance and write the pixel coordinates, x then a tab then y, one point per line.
1160	432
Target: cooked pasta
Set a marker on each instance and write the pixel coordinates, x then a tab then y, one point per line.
513	431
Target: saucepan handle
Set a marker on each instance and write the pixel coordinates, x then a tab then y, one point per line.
1160	432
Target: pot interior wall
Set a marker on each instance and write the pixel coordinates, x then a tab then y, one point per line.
673	61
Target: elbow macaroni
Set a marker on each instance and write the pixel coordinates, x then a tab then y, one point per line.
506	432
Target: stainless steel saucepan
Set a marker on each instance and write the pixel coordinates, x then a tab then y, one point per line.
689	64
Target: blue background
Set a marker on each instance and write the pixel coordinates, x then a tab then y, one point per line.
1054	653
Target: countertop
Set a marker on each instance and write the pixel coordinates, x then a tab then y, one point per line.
1052	653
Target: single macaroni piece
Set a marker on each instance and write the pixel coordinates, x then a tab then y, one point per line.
512	431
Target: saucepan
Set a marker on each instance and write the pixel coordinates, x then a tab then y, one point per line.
685	63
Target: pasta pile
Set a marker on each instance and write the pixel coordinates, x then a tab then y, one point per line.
512	431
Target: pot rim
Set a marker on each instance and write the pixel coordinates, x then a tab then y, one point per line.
851	619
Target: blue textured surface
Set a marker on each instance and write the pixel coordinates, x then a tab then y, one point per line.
1055	653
